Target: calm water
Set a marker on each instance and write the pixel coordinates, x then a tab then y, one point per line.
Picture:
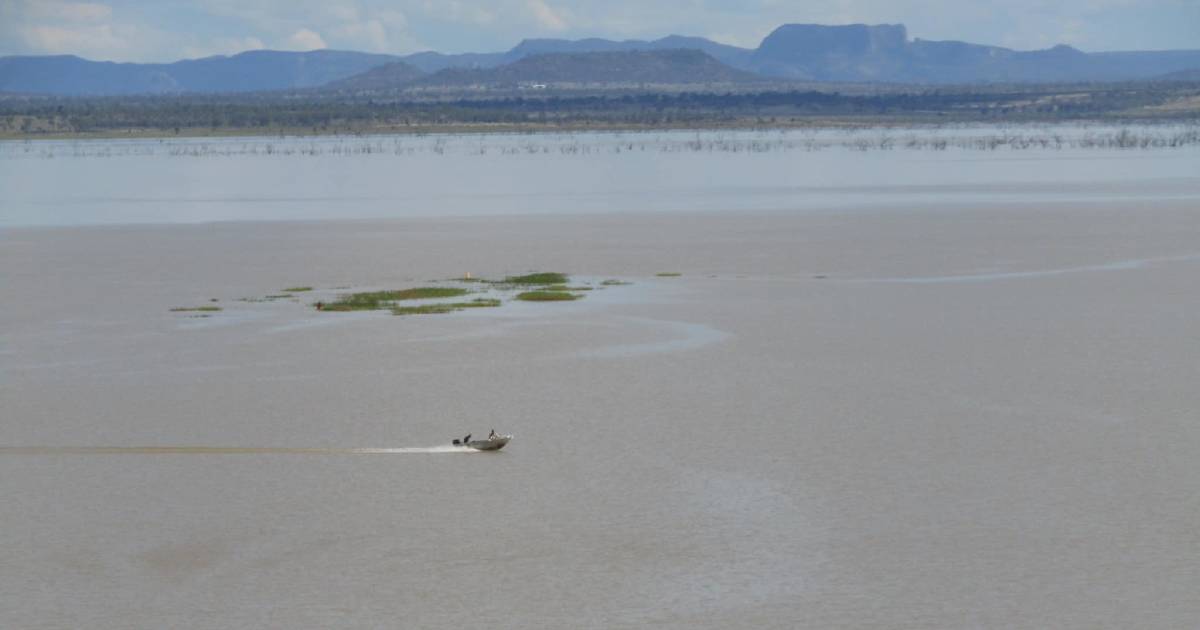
926	389
184	181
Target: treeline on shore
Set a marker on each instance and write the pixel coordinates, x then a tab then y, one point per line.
315	113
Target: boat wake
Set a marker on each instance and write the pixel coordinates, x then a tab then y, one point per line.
1119	265
225	450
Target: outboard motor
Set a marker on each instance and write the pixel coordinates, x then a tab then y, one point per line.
457	442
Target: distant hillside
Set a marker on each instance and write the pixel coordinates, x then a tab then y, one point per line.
383	77
433	61
430	61
729	55
1149	64
831	53
627	67
248	71
1182	75
814	52
858	52
863	53
67	74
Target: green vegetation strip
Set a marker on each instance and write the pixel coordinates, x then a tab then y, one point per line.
547	296
614	283
375	300
668	274
201	309
297	289
563	287
434	309
538	278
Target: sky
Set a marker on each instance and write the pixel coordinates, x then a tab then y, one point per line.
168	30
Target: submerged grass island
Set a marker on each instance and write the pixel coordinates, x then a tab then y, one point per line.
532	287
547	296
544	286
435	309
542	278
377	300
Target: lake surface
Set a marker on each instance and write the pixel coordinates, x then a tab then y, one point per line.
891	388
199	180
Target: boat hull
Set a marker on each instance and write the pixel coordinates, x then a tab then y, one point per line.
493	444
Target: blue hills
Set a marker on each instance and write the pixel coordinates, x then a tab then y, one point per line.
806	52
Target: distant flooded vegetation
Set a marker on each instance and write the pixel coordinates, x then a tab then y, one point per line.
160	180
965	137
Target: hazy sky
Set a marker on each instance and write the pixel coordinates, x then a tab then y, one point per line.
166	30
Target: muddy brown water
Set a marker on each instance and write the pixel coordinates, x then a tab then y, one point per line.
976	415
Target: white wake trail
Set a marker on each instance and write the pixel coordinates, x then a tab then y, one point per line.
226	450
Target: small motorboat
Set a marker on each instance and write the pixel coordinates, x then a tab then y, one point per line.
494	442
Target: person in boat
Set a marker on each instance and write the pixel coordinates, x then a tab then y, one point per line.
467	439
492	435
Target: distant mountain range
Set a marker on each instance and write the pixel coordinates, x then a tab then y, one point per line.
1192	75
246	72
433	61
670	66
385	77
854	53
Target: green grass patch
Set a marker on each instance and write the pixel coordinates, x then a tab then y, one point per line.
538	278
297	289
421	293
436	309
563	287
479	303
668	274
375	300
195	309
614	283
278	296
547	296
424	309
